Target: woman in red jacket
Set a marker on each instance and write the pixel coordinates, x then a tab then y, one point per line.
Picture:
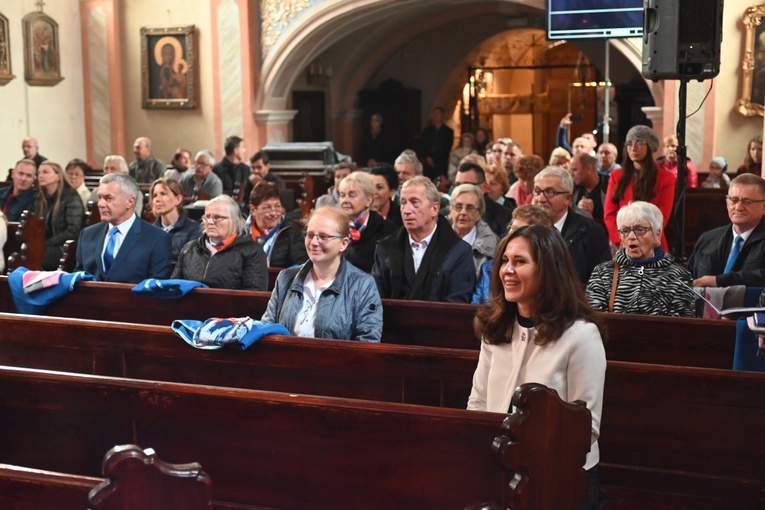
639	179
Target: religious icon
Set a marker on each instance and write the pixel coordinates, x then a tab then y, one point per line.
5	52
42	64
168	67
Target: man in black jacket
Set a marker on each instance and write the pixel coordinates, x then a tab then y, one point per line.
424	260
734	254
231	168
587	241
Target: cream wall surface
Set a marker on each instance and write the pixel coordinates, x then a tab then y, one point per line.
53	115
168	129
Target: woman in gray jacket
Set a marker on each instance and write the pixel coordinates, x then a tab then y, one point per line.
327	297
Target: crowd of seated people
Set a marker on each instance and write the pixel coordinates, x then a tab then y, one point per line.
412	239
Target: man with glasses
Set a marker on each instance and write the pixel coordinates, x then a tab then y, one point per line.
424	260
587	241
734	254
495	215
123	247
494	153
203	183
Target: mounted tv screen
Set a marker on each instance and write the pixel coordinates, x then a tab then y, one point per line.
594	19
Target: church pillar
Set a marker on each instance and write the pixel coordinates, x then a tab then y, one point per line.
346	132
102	79
656	115
274	126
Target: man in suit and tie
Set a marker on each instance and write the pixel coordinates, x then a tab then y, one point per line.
123	247
734	254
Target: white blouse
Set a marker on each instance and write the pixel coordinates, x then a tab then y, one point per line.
306	317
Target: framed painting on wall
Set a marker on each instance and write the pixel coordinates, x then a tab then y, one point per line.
752	100
42	58
5	52
167	67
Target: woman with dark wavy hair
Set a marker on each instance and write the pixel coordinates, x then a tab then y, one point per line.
539	328
639	179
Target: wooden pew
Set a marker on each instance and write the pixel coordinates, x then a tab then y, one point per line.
30	235
128	469
677	437
338	368
12	244
23	488
705	209
288	451
664	340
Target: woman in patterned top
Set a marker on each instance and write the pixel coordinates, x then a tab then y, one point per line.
647	279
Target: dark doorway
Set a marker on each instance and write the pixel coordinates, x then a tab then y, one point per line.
309	123
400	110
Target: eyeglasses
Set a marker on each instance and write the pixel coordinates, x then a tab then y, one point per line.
213	218
201	165
269	209
310	236
469	208
549	193
639	231
744	201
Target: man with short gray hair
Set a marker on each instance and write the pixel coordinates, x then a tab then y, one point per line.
587	241
203	182
116	164
123	247
146	168
424	260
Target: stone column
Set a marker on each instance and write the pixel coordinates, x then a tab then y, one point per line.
274	125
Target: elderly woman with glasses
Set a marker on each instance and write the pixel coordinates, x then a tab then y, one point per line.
281	240
467	208
642	278
327	297
639	179
356	195
224	256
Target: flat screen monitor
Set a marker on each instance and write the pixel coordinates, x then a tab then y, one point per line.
594	19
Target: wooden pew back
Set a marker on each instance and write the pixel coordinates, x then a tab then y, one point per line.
30	235
338	368
664	340
267	449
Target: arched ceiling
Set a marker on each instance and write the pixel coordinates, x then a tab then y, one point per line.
359	38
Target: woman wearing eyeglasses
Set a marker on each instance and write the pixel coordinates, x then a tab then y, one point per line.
167	204
639	179
224	256
327	297
356	195
281	240
642	278
539	328
467	208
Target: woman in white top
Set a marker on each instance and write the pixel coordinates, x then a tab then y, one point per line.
539	328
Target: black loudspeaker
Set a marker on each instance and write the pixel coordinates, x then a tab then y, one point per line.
681	39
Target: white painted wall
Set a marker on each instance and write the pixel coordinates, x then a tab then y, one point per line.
53	115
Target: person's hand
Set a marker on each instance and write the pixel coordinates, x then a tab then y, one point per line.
566	120
587	204
705	281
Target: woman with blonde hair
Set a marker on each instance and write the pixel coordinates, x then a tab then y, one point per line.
560	157
327	297
60	207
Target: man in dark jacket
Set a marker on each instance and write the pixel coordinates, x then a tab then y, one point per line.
231	170
435	145
424	260
587	241
21	196
734	254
